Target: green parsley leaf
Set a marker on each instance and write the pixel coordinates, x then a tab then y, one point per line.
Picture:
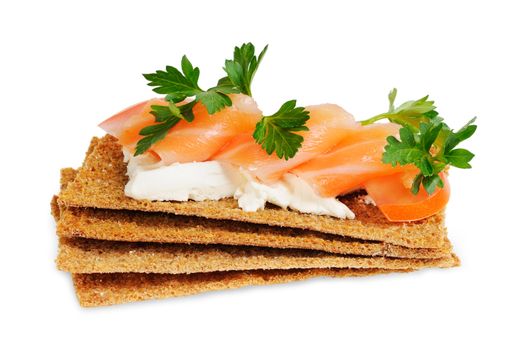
460	158
166	117
391	99
409	113
242	68
412	109
213	100
162	113
173	82
401	152
276	132
416	184
178	85
464	133
154	133
425	141
431	182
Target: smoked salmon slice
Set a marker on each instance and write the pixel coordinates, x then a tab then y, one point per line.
196	141
355	160
395	200
328	125
126	124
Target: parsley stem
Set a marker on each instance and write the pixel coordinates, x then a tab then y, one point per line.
174	109
374	119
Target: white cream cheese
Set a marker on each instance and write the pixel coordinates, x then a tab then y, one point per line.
180	181
213	180
291	192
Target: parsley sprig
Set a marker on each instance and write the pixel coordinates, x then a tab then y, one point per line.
276	132
242	68
166	117
179	85
425	140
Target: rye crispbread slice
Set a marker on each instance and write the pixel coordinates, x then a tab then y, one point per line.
100	184
135	226
81	255
117	288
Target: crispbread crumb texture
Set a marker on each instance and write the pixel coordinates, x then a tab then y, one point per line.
79	255
117	288
135	226
67	175
100	184
55	209
122	250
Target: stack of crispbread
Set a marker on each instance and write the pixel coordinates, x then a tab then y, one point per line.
119	249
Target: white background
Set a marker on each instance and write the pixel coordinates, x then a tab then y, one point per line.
66	66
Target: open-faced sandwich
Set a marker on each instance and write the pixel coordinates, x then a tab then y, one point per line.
201	190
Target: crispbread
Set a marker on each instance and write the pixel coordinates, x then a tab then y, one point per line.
100	184
81	255
135	226
117	288
55	208
67	175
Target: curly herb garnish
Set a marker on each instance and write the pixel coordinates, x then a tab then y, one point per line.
425	140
